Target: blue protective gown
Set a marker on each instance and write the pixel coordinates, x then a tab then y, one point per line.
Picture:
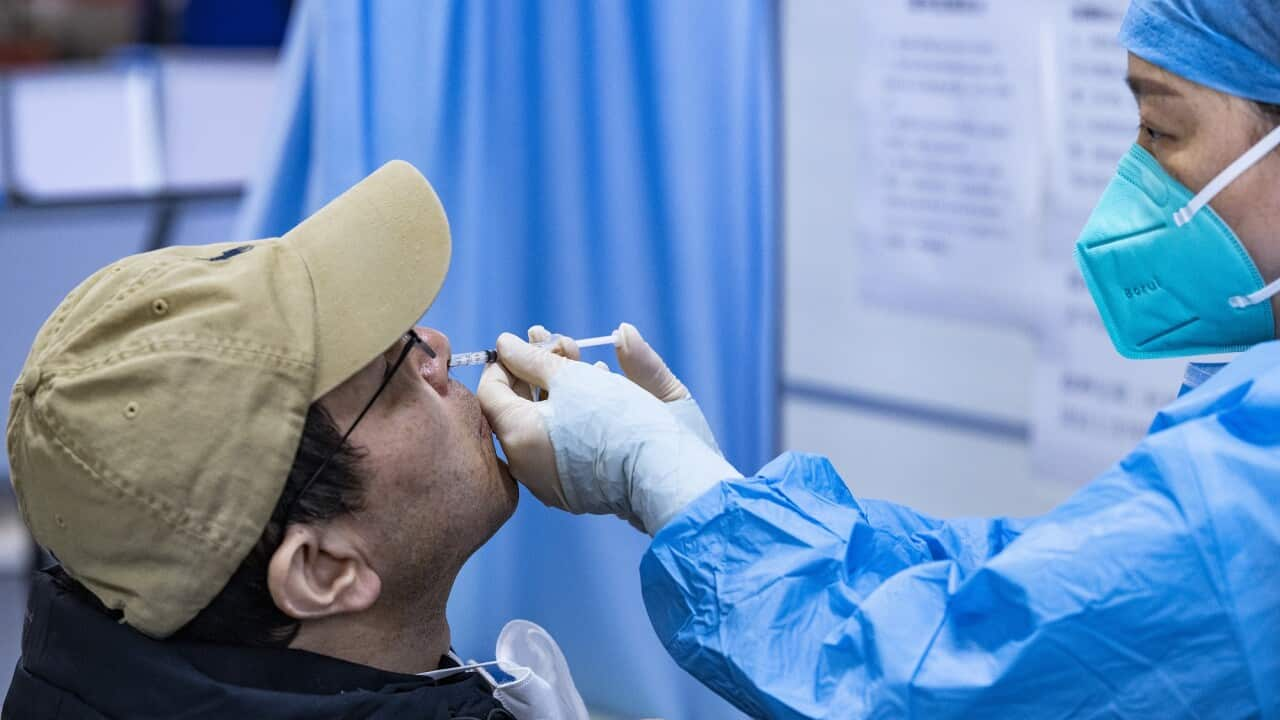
1152	592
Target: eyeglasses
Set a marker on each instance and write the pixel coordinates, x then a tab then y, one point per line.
411	339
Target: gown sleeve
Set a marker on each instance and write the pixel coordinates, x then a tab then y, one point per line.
792	599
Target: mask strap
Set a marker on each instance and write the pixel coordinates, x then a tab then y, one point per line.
1240	302
446	672
1226	177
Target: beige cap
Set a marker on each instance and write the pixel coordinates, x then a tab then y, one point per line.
155	421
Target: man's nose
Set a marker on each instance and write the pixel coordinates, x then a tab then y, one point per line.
438	341
437	368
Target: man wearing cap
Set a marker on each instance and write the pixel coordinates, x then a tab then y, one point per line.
258	482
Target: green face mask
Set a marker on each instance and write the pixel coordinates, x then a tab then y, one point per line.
1168	275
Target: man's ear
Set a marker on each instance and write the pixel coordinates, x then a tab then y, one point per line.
319	571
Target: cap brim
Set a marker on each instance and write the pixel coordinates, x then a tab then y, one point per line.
378	255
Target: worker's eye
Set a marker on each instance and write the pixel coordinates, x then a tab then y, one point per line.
1152	134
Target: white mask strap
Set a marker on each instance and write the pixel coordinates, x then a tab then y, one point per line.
1240	302
1225	178
446	672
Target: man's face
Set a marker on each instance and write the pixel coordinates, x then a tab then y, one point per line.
435	489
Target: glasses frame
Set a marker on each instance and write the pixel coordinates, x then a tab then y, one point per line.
411	340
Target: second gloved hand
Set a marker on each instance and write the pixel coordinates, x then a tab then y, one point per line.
599	443
643	366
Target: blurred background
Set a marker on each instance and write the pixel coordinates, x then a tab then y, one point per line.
847	225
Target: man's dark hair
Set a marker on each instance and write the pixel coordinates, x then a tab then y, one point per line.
244	613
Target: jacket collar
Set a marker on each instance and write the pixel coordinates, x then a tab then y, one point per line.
1250	382
111	667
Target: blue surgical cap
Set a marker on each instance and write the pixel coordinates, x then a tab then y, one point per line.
1228	45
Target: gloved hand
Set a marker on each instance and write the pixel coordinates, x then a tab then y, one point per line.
643	366
600	443
532	450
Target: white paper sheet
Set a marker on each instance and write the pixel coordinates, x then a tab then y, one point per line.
947	199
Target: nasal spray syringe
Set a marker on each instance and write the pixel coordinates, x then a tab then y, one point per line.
484	357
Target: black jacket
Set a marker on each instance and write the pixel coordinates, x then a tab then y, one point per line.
79	663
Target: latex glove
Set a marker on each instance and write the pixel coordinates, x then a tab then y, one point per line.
522	434
599	443
643	366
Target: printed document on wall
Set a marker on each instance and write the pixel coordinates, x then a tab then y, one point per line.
1090	406
949	182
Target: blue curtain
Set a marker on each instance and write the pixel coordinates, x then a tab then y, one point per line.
600	161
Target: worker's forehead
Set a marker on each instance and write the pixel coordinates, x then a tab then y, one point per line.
1165	92
1147	80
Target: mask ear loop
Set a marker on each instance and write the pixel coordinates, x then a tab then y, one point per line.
465	667
1217	185
1226	177
1241	302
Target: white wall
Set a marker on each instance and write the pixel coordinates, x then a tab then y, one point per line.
910	408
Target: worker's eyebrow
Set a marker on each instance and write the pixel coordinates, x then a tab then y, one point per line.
1147	87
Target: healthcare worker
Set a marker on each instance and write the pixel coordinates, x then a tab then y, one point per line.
1153	592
